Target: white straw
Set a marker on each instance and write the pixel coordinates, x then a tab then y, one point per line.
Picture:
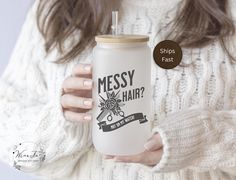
114	26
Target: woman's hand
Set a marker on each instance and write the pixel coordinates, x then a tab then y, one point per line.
77	94
150	157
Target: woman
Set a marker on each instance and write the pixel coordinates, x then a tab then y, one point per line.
46	91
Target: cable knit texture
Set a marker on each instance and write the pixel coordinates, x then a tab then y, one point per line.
194	107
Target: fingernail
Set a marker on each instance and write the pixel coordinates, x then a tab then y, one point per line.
88	83
149	145
88	117
87	68
88	103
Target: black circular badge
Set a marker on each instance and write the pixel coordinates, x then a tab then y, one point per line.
167	54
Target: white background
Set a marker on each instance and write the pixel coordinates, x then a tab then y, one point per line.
12	15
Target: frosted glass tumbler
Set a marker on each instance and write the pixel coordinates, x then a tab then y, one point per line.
121	94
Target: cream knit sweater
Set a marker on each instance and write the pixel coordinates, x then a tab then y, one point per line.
194	108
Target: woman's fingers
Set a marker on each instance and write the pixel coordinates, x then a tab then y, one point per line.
149	158
154	143
77	117
84	70
71	101
109	157
77	110
73	83
77	94
131	159
82	93
152	157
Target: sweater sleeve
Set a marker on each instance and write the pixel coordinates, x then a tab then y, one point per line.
30	116
199	139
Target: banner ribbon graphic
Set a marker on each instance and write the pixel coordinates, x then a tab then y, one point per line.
128	119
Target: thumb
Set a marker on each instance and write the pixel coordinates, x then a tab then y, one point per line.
154	143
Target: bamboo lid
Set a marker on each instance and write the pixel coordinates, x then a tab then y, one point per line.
121	38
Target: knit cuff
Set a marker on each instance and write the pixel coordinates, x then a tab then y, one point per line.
183	135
